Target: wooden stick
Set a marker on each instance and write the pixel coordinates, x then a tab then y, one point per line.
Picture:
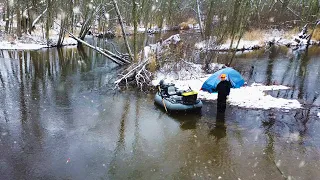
164	104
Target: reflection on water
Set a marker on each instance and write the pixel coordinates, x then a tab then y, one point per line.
297	69
60	119
220	129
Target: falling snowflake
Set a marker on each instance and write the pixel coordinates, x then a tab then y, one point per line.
11	3
90	6
62	15
76	10
302	164
107	16
25	14
153	8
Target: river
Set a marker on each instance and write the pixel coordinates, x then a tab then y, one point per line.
60	118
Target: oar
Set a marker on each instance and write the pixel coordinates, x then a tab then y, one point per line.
164	104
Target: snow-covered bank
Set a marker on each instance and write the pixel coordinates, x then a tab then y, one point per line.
252	96
5	45
33	43
265	38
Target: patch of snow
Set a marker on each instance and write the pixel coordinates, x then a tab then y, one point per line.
253	96
302	164
200	45
5	45
16	45
318	114
174	39
273	33
196	26
141	29
32	42
76	10
242	44
66	41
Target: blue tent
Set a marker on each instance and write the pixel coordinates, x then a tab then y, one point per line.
232	75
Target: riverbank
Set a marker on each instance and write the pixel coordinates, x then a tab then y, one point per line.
258	39
31	42
251	96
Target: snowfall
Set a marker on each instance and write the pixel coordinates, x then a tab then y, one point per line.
249	96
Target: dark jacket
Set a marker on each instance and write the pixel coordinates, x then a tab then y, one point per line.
223	89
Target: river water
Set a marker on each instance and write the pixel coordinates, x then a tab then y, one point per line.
61	119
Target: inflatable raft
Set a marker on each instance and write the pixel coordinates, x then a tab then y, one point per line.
168	97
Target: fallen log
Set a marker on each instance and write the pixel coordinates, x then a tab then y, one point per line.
251	48
115	58
138	73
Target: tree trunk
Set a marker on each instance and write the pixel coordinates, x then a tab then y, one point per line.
199	18
88	22
135	27
19	34
7	17
122	28
48	23
61	33
209	21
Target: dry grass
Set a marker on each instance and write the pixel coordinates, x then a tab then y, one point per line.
316	34
192	21
152	66
289	34
255	34
184	26
118	31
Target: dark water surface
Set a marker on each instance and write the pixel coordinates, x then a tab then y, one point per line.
60	119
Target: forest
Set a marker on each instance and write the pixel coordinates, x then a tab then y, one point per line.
216	20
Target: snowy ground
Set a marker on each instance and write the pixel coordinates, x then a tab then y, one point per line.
251	96
34	42
272	35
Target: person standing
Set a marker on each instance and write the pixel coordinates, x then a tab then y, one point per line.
223	89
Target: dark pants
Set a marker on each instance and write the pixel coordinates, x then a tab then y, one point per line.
222	103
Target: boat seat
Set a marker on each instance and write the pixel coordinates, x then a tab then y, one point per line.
172	90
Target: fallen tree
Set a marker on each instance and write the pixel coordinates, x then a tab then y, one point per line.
119	59
139	74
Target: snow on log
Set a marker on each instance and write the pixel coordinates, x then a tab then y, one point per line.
138	73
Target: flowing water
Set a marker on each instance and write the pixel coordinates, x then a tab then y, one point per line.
61	119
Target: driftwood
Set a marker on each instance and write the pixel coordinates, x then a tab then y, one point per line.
115	58
250	48
138	73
